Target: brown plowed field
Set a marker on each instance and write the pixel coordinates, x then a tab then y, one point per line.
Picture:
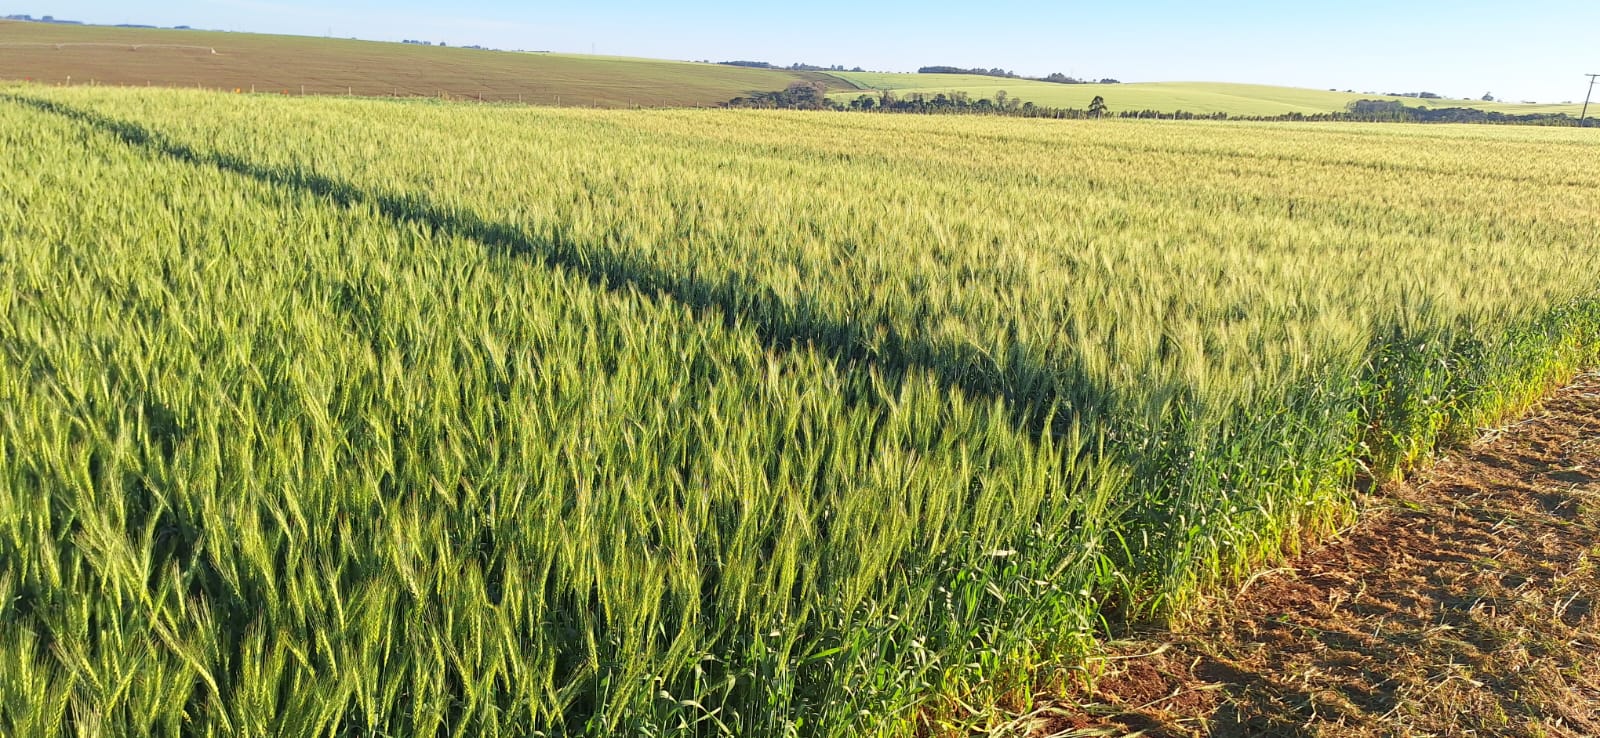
65	54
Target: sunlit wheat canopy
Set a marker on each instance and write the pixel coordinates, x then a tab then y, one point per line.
337	417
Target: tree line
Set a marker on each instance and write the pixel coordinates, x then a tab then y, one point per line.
796	67
813	96
1055	77
1382	111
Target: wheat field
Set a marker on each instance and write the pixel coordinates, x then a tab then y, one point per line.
328	417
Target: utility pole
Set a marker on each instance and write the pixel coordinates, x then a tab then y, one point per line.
1585	113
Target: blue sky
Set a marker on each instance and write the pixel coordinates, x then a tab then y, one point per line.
1524	50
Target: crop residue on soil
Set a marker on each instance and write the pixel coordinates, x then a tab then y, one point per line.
1464	604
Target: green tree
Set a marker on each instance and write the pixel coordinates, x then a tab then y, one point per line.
1097	107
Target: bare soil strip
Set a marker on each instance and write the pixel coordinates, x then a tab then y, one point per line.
1463	603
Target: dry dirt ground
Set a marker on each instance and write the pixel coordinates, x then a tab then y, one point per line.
1462	604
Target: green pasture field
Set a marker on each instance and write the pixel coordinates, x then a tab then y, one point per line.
1194	97
338	417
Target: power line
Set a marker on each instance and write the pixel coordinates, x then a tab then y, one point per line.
1585	113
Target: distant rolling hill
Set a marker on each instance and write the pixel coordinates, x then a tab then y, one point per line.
55	54
52	53
1195	97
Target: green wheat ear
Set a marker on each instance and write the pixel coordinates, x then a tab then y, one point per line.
336	417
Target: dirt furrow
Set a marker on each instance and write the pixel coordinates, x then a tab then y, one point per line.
1463	603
